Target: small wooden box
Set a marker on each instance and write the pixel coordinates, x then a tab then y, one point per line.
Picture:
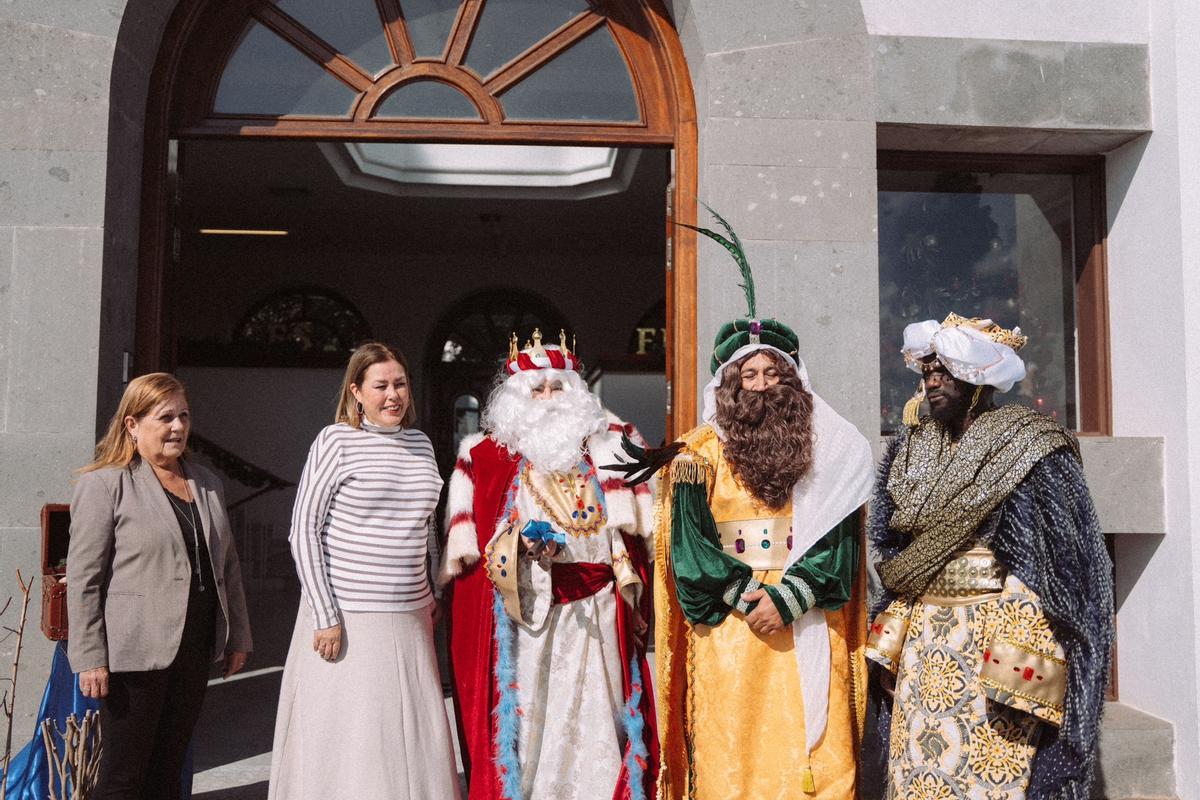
56	537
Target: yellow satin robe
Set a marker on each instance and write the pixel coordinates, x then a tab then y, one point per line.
732	697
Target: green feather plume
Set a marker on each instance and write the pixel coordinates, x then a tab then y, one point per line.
735	249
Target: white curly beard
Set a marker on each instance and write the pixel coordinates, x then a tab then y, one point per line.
551	432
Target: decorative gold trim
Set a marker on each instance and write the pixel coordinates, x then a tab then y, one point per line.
764	541
960	599
881	658
885	638
1000	686
623	572
1013	338
558	504
1025	673
1029	650
501	560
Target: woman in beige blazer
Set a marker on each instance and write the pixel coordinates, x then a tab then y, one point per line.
154	590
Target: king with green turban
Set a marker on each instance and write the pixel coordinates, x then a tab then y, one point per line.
759	596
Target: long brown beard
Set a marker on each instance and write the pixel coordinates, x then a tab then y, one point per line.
768	434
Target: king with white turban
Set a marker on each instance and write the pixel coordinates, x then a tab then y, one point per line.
995	612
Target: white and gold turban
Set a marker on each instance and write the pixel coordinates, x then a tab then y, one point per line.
976	351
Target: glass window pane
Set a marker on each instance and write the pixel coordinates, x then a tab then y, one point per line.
266	75
507	28
353	27
429	24
998	246
466	418
589	81
427	100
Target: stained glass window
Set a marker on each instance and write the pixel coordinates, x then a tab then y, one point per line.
304	321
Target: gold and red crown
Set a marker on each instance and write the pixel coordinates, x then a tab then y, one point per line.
536	355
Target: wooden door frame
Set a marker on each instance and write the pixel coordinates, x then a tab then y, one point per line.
154	327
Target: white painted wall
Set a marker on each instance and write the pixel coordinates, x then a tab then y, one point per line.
1038	20
1154	309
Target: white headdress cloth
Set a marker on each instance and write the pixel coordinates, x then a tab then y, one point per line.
968	354
839	481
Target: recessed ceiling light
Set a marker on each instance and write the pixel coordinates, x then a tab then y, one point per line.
241	232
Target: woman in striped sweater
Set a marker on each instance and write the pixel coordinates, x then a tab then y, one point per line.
361	711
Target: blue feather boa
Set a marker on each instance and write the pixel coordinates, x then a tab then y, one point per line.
508	707
636	753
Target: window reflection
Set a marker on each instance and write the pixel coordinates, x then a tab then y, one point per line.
466	418
983	245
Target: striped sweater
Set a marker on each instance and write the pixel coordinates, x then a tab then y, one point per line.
363	521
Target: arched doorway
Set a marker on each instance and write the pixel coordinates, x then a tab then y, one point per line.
395	72
460	358
560	72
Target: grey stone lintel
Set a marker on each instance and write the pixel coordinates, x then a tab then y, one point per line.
1007	96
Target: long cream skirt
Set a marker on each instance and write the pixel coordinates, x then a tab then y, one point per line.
371	724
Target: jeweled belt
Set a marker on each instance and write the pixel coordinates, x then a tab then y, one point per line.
969	576
758	543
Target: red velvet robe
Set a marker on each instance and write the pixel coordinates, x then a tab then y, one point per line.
472	627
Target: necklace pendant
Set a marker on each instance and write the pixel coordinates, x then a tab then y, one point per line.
201	589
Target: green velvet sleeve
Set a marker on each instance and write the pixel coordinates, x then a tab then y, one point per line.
704	575
824	578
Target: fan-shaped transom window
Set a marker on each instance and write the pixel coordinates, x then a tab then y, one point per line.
485	62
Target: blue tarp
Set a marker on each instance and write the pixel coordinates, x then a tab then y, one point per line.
29	773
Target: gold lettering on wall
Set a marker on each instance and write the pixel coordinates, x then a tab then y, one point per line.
647	338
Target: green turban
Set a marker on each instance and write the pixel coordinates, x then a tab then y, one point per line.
735	335
749	329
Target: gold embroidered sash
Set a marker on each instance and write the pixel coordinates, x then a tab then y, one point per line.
943	492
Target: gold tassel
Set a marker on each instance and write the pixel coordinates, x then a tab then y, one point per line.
912	409
689	468
808	782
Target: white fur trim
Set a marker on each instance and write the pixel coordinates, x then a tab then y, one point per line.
626	511
462	545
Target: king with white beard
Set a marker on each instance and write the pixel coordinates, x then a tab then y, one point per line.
547	635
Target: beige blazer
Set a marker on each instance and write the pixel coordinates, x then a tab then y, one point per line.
128	574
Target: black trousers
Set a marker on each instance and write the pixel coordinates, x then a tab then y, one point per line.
148	717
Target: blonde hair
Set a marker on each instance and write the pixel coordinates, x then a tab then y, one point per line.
362	359
116	448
